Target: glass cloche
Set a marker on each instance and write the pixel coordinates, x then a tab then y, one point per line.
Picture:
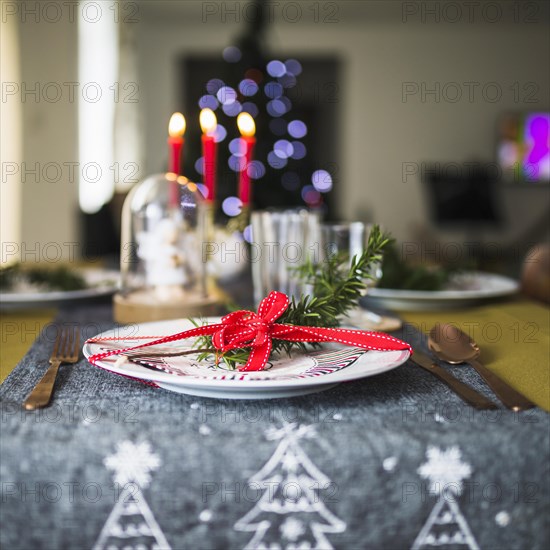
163	275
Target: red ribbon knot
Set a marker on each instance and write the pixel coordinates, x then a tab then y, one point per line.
247	329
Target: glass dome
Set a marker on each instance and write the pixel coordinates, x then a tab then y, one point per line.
163	275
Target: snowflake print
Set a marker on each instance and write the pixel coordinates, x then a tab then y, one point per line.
445	470
292	529
133	463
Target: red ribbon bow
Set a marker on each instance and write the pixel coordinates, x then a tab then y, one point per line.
247	329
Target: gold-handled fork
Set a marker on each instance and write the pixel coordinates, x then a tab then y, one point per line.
66	349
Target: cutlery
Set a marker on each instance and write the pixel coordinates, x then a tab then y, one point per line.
452	345
66	348
465	392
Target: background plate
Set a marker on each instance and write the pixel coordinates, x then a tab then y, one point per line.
464	290
102	282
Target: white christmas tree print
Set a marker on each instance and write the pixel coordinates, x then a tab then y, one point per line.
131	523
446	525
290	514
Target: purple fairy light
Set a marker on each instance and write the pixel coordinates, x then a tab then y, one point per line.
297	129
232	54
276	68
208	102
299	150
232	206
322	181
214	85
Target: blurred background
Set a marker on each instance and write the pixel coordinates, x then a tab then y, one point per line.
430	118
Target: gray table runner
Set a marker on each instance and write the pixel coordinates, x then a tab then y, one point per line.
393	461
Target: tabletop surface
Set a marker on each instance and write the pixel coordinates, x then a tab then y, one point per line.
392	461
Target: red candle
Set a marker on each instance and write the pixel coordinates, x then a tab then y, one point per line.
209	123
176	129
247	128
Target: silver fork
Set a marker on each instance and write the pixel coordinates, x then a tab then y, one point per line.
65	350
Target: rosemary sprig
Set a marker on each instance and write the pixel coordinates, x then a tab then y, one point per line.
333	289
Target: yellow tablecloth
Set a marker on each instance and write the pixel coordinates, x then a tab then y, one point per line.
19	329
514	338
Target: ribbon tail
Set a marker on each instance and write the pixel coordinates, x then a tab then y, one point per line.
258	357
198	331
377	341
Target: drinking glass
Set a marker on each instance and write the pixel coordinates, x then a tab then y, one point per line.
350	239
282	241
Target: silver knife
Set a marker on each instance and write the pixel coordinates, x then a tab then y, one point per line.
465	392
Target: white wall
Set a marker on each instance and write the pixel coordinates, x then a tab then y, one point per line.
10	145
49	227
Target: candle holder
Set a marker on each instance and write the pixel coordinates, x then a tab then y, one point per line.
162	261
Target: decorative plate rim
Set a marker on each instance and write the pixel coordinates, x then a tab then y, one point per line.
242	381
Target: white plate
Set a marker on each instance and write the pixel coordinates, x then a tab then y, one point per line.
101	282
464	290
285	377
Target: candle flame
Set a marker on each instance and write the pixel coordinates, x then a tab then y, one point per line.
246	125
177	125
208	121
